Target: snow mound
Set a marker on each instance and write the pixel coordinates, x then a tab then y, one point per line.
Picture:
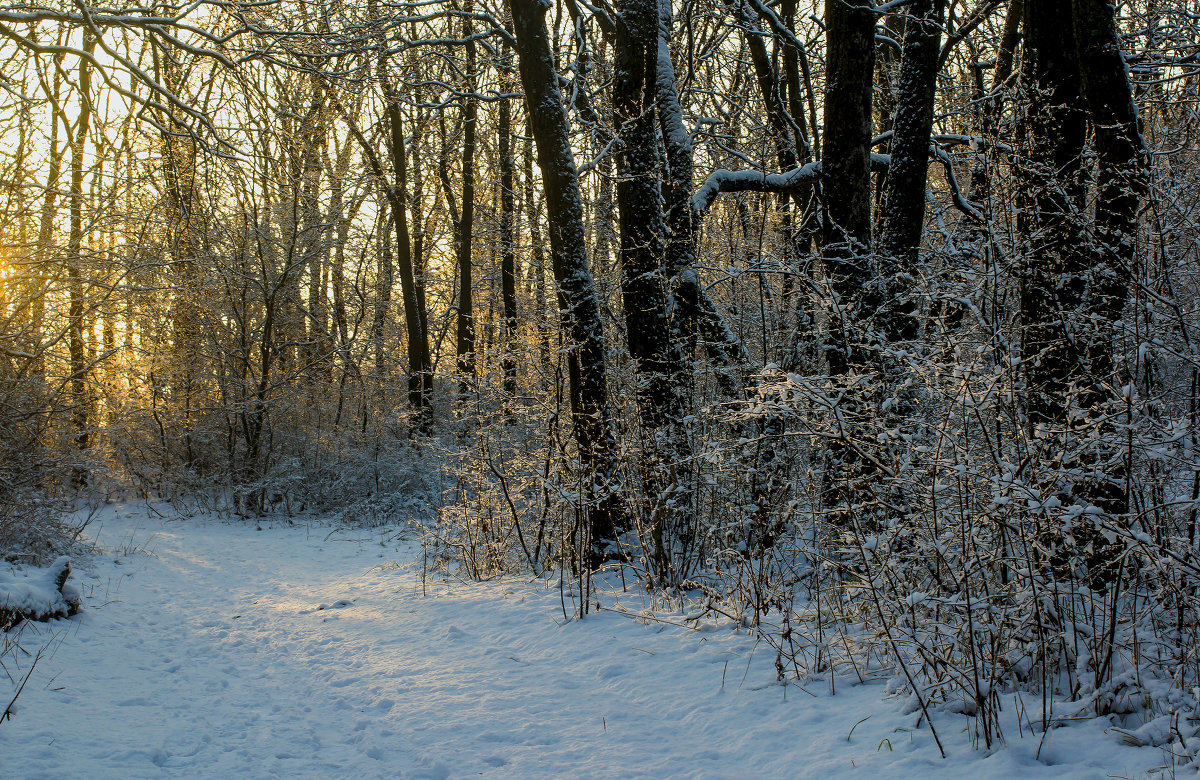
37	593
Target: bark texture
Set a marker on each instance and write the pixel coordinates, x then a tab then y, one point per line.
578	302
902	220
846	171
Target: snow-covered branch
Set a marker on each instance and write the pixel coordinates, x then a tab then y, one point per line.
726	181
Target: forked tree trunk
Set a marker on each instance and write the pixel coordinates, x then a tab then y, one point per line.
662	380
643	227
420	364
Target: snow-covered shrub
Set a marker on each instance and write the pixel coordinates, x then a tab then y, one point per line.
508	503
32	528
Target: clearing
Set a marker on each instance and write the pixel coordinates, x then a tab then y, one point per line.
212	649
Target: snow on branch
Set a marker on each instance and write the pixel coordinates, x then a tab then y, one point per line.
723	181
720	181
956	195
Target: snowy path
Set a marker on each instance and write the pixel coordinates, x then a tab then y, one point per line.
203	654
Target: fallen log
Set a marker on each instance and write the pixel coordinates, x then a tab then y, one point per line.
37	594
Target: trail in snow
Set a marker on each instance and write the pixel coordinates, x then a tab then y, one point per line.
215	650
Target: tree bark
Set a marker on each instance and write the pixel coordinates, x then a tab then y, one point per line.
1121	186
80	403
846	172
508	259
846	237
695	312
1121	183
1054	129
465	228
643	228
578	302
420	364
903	219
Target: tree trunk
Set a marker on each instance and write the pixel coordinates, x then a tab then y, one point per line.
643	278
1121	186
1053	133
80	404
420	365
695	313
578	301
466	314
1121	183
508	260
903	219
1073	290
37	304
179	172
846	173
846	237
643	229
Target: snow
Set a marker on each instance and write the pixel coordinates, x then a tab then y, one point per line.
34	591
212	649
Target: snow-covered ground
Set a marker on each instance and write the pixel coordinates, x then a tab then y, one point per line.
214	650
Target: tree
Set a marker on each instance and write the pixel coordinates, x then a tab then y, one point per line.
466	224
80	400
902	218
578	304
846	237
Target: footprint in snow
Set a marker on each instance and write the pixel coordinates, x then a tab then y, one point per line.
339	604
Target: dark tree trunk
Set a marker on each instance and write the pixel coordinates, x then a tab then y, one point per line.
384	282
790	139
695	313
846	237
1053	134
1074	289
395	187
55	152
903	216
1010	39
80	404
769	89
662	378
466	313
643	229
578	302
420	365
846	172
1121	181
316	244
537	268
508	260
1121	186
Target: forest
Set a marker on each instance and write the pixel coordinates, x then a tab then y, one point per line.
868	329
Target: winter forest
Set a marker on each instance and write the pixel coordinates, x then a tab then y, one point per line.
858	341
